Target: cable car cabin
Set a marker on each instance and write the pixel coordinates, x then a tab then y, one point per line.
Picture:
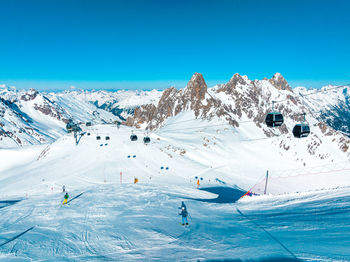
98	138
133	137
274	119
107	137
146	139
301	130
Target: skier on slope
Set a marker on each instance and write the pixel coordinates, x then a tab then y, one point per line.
66	196
183	212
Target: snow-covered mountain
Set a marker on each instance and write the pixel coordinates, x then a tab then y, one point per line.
220	123
213	139
330	104
121	103
32	117
241	103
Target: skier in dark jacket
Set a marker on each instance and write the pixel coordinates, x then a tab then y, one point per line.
183	213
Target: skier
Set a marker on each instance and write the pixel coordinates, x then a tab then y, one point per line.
66	196
183	213
63	188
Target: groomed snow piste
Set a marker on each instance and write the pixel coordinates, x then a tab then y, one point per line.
115	219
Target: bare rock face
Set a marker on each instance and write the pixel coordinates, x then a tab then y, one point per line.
196	90
30	95
247	96
167	102
51	111
171	103
279	82
153	115
343	141
235	80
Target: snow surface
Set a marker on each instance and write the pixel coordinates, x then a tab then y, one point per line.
116	219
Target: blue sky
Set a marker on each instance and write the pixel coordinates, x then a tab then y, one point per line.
145	44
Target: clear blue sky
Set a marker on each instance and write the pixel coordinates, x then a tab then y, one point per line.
115	44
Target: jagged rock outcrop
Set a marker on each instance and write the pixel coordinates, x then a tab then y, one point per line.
195	92
236	80
30	95
240	98
245	97
279	82
172	102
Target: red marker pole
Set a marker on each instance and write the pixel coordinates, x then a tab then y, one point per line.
121	177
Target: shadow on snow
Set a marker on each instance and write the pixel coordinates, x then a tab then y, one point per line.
6	203
225	194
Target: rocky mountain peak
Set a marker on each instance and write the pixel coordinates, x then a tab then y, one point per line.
235	80
171	103
196	87
238	79
237	101
280	82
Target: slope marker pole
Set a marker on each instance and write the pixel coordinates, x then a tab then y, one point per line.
267	177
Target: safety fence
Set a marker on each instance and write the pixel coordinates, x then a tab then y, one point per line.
303	179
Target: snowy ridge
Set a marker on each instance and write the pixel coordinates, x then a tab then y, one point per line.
243	105
30	117
121	103
332	105
206	126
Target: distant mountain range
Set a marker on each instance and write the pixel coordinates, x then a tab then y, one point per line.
32	117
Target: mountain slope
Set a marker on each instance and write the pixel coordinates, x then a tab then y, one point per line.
240	102
30	117
331	105
115	219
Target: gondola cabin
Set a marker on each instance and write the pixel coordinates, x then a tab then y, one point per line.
133	137
146	139
274	119
301	130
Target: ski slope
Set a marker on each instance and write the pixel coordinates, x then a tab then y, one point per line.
130	222
115	219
